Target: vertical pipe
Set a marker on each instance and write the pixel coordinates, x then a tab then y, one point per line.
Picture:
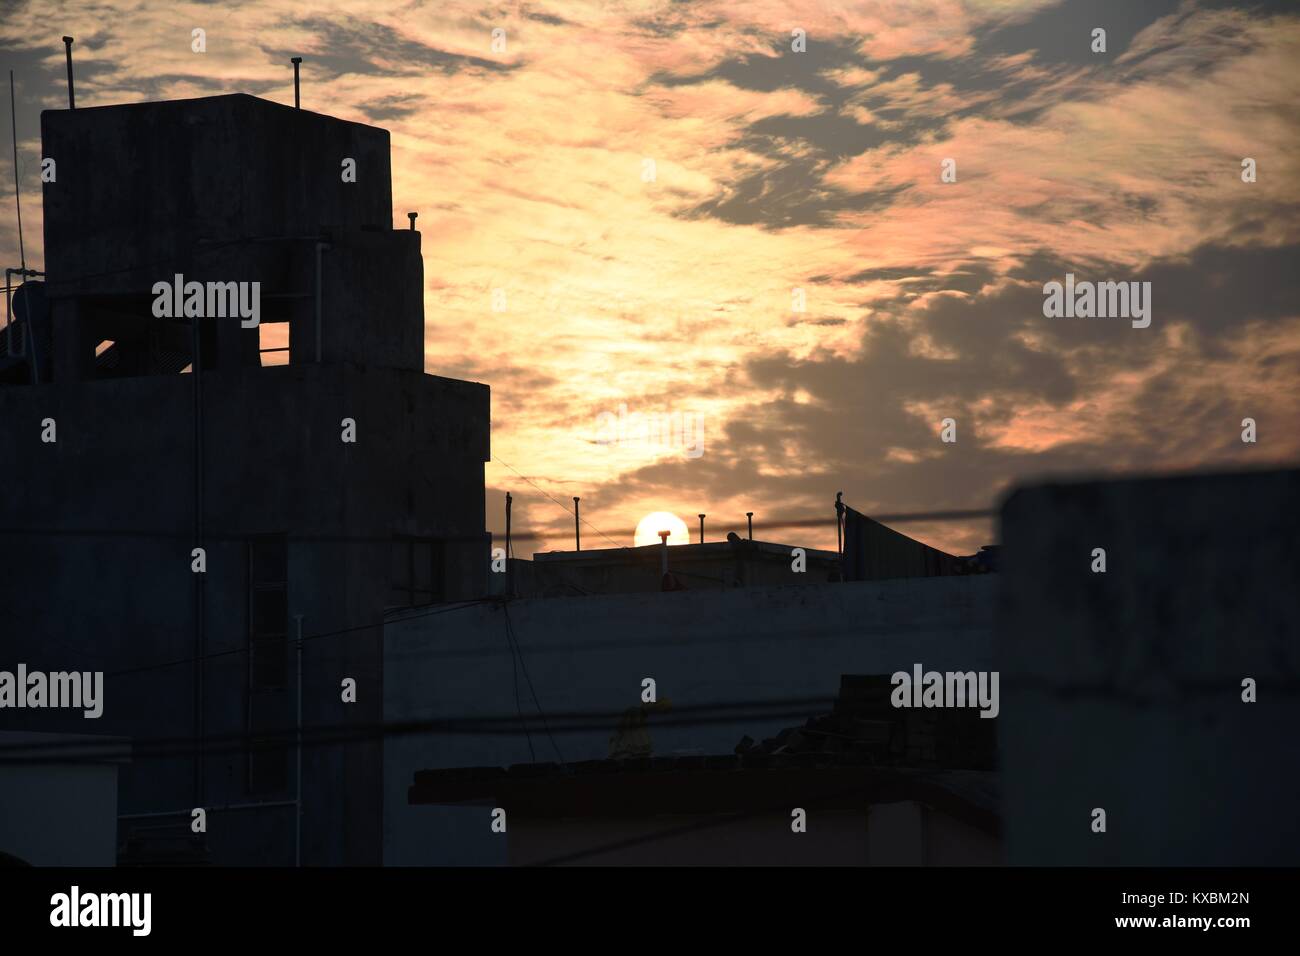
13	125
196	370
411	216
701	529
67	49
750	516
839	523
295	61
577	531
9	332
297	801
510	590
320	246
663	551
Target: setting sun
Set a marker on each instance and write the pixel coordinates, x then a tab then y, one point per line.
647	531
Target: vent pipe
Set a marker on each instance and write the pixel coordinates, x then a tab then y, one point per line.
509	572
663	561
67	49
295	61
577	531
839	522
750	516
411	216
701	529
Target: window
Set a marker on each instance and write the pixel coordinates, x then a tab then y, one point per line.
268	612
416	572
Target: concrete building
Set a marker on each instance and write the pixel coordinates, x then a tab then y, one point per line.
571	671
59	796
1162	690
714	565
865	784
320	492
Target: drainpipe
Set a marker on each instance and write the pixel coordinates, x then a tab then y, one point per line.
297	803
320	247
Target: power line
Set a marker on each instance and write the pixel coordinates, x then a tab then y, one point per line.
442	609
510	631
896	517
574	722
558	505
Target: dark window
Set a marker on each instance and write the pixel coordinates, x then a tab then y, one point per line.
268	612
415	572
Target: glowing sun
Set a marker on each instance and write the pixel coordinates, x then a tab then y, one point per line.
647	531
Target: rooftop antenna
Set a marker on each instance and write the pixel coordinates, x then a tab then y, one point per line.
701	529
13	121
577	531
67	49
750	516
295	61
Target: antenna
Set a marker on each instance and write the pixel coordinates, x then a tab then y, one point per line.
13	123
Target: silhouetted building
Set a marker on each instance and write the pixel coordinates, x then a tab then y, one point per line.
738	562
863	785
320	492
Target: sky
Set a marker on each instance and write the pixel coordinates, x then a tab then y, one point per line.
730	257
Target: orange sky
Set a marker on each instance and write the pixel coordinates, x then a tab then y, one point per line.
671	297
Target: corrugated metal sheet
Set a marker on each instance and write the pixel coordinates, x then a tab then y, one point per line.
873	552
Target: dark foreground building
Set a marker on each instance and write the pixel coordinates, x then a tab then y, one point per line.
172	509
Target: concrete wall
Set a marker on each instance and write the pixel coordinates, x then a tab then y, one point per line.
97	533
890	834
589	654
60	813
139	183
1123	690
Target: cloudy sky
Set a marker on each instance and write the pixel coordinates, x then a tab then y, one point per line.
652	190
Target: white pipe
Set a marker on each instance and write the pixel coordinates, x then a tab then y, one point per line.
297	826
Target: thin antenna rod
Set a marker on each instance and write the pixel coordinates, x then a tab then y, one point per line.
13	122
67	49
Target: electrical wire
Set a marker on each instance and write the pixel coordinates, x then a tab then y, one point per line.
496	725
